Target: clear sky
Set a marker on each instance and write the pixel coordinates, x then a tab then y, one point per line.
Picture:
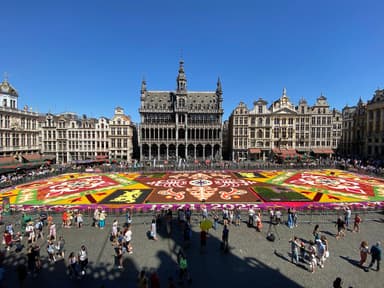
89	56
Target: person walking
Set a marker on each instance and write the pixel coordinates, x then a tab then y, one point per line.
52	231
225	239
295	244
251	214
51	251
259	222
375	256
73	265
316	233
83	259
119	254
102	217
127	239
290	218
347	216
215	219
142	280
356	223
364	251
80	219
153	230
340	224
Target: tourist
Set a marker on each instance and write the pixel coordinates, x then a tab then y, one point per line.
73	265
102	217
375	256
51	251
153	230
119	254
290	218
295	244
237	216
83	259
294	216
271	216
312	253
59	247
340	224
347	216
7	240
9	229
49	220
204	212
259	222
154	280
64	218
36	257
128	239
356	223
169	218
278	216
96	216
17	242
321	252
364	251
52	231
181	216
251	214
39	229
215	217
79	219
316	233
188	215
225	239
128	217
225	216
30	232
230	217
142	280
115	229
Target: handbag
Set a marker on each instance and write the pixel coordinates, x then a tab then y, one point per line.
326	254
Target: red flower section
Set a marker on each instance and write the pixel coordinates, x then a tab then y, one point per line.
74	186
338	184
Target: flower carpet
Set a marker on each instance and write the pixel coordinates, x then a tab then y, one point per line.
214	189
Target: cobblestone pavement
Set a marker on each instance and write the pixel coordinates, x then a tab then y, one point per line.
252	260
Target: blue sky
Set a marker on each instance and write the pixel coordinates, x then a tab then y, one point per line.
89	56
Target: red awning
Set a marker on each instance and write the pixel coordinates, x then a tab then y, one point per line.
8	160
254	151
288	152
322	151
32	157
101	157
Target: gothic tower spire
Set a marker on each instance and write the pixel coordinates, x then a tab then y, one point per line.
181	78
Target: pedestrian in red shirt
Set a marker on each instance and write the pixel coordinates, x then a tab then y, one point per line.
356	223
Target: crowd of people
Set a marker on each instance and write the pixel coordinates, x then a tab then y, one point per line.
41	233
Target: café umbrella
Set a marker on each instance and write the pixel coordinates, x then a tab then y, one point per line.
206	225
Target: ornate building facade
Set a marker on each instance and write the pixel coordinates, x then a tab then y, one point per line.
363	129
74	139
283	128
19	129
180	124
